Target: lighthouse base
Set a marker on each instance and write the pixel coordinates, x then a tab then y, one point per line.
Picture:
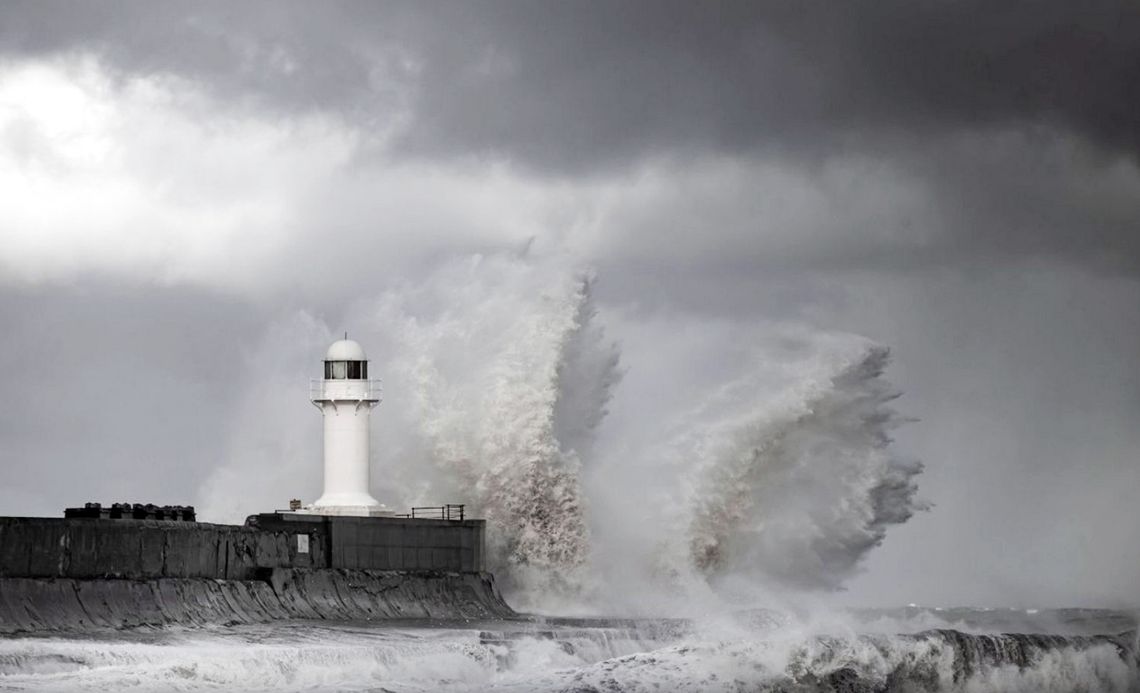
348	510
348	505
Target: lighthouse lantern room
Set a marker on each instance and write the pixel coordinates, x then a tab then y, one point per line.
346	397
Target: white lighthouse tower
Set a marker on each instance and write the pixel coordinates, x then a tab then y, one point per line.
345	397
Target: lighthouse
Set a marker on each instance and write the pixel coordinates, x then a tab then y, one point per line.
346	397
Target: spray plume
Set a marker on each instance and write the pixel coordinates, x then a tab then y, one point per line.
801	493
498	378
509	375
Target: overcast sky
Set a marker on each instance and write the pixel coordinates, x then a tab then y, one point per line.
181	184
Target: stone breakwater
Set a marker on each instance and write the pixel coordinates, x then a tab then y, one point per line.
34	605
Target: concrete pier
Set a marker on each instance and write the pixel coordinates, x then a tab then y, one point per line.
92	548
77	574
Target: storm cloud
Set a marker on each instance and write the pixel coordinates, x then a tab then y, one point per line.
561	84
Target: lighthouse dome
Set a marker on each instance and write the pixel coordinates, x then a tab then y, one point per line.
345	350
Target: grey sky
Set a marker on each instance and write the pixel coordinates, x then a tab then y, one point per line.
958	180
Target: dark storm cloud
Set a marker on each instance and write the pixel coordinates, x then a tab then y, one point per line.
228	49
971	201
1014	114
573	85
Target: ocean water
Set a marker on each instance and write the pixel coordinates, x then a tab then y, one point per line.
885	650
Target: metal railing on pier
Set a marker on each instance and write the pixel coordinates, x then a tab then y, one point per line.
452	511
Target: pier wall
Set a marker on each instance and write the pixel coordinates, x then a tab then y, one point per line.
387	543
136	549
45	605
86	548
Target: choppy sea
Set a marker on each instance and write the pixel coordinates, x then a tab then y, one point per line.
911	649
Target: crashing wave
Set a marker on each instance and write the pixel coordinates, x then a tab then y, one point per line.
630	657
499	375
783	473
509	383
800	492
939	660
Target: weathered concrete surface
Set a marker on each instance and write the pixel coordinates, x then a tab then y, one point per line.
86	548
95	548
80	574
360	594
388	543
33	605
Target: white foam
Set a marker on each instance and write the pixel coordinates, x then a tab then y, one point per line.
717	655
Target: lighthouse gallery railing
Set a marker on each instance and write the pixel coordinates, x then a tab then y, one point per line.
350	390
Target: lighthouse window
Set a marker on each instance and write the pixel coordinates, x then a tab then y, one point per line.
350	370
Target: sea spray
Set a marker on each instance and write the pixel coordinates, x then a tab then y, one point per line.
801	490
508	384
761	454
770	473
